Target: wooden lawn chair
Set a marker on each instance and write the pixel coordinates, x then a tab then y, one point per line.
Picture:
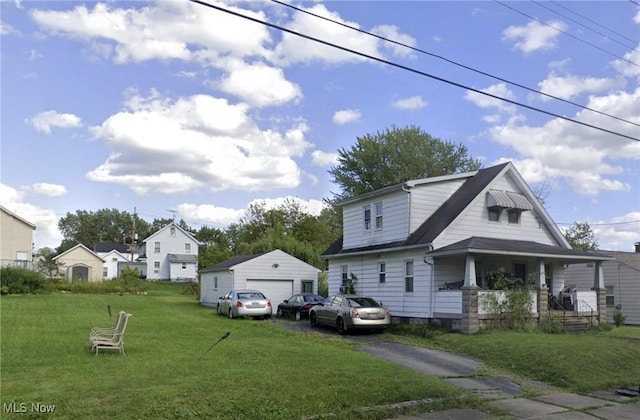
115	342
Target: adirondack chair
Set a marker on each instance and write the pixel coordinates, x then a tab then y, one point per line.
107	332
115	342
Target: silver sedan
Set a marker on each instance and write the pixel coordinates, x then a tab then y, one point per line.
350	312
237	303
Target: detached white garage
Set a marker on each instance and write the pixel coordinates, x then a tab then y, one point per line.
275	273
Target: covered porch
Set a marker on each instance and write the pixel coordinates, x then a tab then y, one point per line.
465	273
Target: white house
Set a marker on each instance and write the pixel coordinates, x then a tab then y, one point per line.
425	247
171	253
113	253
621	279
276	274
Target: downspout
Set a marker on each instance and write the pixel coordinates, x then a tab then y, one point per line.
405	188
432	265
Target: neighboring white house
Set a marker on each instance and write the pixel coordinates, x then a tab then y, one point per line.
276	274
425	247
80	264
171	253
621	278
113	253
16	240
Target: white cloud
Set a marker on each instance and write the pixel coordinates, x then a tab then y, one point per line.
588	160
46	221
259	85
51	190
320	158
627	67
414	102
346	116
535	35
199	141
568	87
619	233
6	29
47	119
392	33
499	90
223	216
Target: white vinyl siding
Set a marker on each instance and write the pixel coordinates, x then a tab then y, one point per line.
395	210
168	243
427	198
475	222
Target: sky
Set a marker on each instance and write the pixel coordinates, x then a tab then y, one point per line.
173	108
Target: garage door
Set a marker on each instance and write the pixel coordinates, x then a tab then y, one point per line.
276	290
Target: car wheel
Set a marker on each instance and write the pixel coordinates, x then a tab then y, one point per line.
280	313
230	314
267	317
340	326
218	310
298	316
312	320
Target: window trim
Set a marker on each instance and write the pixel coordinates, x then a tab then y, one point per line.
345	274
379	215
517	213
367	217
382	272
409	278
156	247
494	210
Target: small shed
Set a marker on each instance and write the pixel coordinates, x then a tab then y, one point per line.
275	273
81	264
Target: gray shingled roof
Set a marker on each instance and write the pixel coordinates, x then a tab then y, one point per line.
230	262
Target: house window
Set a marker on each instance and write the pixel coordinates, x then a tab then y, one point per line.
187	248
408	276
156	247
345	274
172	231
382	272
215	283
184	266
156	266
494	214
114	259
611	298
367	217
378	215
513	216
307	286
105	272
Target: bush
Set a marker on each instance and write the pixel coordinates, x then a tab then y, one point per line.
550	325
192	288
15	280
618	318
126	283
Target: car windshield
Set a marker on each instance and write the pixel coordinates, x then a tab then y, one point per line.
313	298
250	295
364	302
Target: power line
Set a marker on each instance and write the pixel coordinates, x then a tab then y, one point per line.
634	2
400	66
454	62
583	25
605	224
566	33
594	22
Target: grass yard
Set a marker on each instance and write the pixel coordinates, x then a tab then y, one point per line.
577	363
260	371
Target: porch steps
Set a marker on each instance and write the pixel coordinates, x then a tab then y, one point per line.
572	322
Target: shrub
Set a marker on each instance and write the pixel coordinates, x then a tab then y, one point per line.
550	325
618	318
126	283
16	280
192	288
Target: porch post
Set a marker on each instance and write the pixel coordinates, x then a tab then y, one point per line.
542	289
470	271
470	322
601	292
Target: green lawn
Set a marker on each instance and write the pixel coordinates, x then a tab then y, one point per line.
579	363
261	371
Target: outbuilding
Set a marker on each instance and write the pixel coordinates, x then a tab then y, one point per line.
275	273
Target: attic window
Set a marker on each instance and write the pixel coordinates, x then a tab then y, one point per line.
514	216
172	231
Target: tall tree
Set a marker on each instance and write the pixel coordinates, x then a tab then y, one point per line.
105	225
581	237
215	246
394	156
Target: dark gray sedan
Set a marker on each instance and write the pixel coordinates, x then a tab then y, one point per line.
350	312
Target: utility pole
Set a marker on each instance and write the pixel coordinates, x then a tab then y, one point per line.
134	244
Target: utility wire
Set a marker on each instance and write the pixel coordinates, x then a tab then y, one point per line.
455	63
381	60
634	2
566	33
594	22
583	25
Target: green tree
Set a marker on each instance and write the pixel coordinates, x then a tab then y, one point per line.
395	156
105	225
45	263
581	237
215	246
